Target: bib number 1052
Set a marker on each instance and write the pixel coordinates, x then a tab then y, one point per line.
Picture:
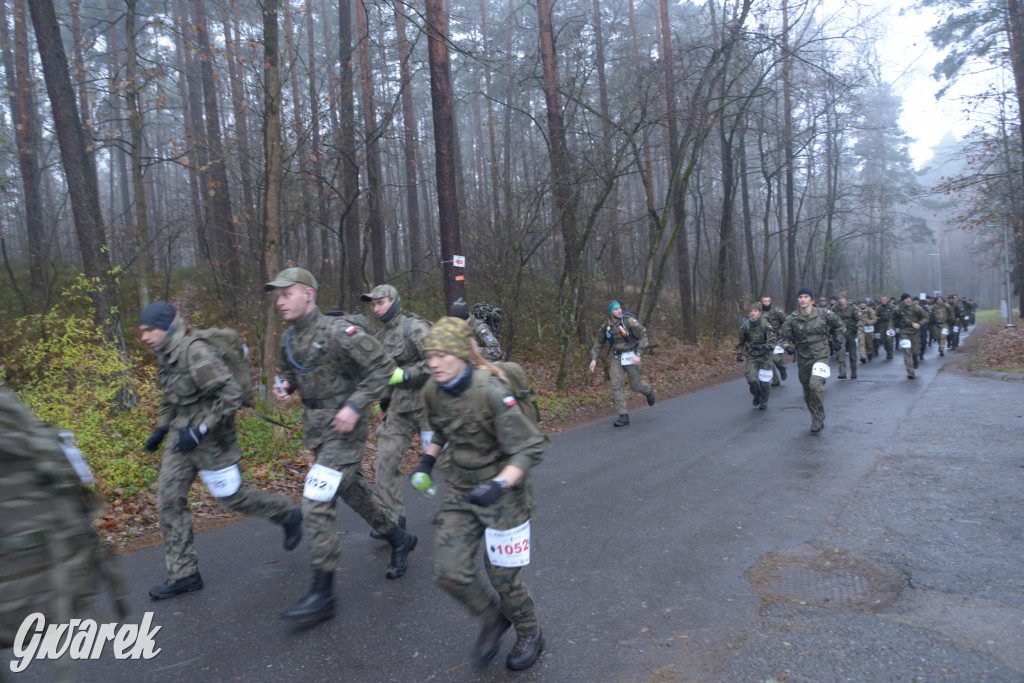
508	547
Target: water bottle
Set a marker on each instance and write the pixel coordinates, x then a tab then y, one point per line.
421	481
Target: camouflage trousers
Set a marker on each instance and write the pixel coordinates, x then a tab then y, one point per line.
865	343
178	471
954	334
759	389
779	359
394	435
913	350
460	532
848	350
940	336
619	373
814	386
885	342
343	454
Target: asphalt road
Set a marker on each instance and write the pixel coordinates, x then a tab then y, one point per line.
708	541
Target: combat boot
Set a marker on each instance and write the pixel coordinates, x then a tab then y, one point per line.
526	651
376	534
841	376
168	589
650	397
815	425
402	543
775	381
940	352
316	606
757	399
489	639
622	421
853	373
293	529
782	372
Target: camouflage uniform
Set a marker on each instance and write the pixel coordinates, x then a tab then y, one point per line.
884	313
849	314
199	388
866	337
623	336
486	340
757	341
809	334
479	451
333	363
402	339
902	319
942	317
775	318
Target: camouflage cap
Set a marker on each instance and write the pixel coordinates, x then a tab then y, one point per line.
842	295
380	292
291	276
450	335
756	306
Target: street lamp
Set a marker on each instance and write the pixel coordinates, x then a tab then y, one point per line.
940	290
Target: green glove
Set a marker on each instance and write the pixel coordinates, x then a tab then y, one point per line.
398	376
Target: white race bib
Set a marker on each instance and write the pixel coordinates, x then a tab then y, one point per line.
869	328
821	370
956	328
906	343
778	349
945	330
508	548
321	483
425	438
764	375
878	335
222	483
890	333
626	358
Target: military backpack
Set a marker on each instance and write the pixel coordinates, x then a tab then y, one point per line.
231	349
489	314
52	560
515	381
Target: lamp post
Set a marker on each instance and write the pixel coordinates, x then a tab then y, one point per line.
939	268
1009	289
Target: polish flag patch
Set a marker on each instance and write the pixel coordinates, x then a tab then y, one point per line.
509	400
351	329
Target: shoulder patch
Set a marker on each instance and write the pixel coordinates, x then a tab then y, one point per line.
351	329
365	344
509	400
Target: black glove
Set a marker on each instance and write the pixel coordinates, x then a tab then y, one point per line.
790	350
739	357
189	438
426	465
153	442
837	345
486	493
384	404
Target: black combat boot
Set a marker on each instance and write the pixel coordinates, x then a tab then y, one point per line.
940	352
526	651
775	381
841	376
402	543
815	425
489	639
293	529
376	534
168	589
757	399
650	397
863	361
622	421
763	406
318	605
853	372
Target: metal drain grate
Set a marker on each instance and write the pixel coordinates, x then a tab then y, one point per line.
840	588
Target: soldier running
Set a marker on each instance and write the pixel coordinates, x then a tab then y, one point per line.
627	340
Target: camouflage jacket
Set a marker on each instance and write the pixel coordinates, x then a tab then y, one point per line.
884	312
867	318
962	311
402	339
486	341
809	333
848	314
904	316
940	313
622	335
774	316
480	451
332	363
757	338
198	387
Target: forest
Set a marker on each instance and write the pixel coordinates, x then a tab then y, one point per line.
682	157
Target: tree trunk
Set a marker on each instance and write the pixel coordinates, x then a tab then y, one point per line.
131	96
315	152
375	223
444	148
351	242
411	148
229	19
272	172
791	283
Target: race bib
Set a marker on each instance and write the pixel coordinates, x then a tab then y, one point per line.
956	328
764	375
890	333
509	547
321	483
425	438
778	349
821	370
966	318
627	358
869	328
878	335
222	483
945	330
906	343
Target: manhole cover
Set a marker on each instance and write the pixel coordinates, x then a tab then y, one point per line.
831	579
